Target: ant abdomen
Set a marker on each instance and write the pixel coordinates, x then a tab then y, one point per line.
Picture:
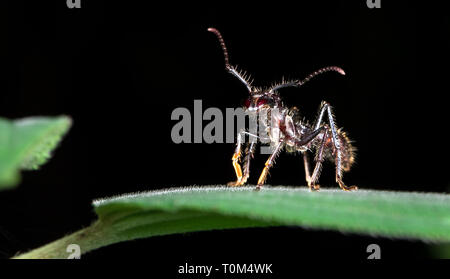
348	151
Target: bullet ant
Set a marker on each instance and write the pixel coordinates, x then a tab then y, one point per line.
285	129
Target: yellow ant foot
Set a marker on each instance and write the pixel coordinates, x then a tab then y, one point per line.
315	187
235	183
238	182
348	188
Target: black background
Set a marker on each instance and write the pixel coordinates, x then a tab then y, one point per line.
119	69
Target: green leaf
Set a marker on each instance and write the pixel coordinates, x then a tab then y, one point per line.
419	216
27	143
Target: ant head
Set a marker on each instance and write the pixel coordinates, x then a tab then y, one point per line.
259	100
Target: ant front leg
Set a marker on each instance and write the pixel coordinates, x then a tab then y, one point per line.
236	157
269	163
248	156
326	108
242	176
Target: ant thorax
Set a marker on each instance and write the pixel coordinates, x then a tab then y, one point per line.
294	129
278	123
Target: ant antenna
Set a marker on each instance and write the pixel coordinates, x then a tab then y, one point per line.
299	83
228	67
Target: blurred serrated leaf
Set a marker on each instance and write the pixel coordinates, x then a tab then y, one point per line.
26	144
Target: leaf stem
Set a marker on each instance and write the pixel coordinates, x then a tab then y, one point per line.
89	238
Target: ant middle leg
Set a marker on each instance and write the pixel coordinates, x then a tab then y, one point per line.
306	164
269	163
319	160
307	173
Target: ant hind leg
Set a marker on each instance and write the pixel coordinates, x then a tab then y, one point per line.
337	150
341	183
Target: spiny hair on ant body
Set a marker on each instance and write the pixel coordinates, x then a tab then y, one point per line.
285	130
